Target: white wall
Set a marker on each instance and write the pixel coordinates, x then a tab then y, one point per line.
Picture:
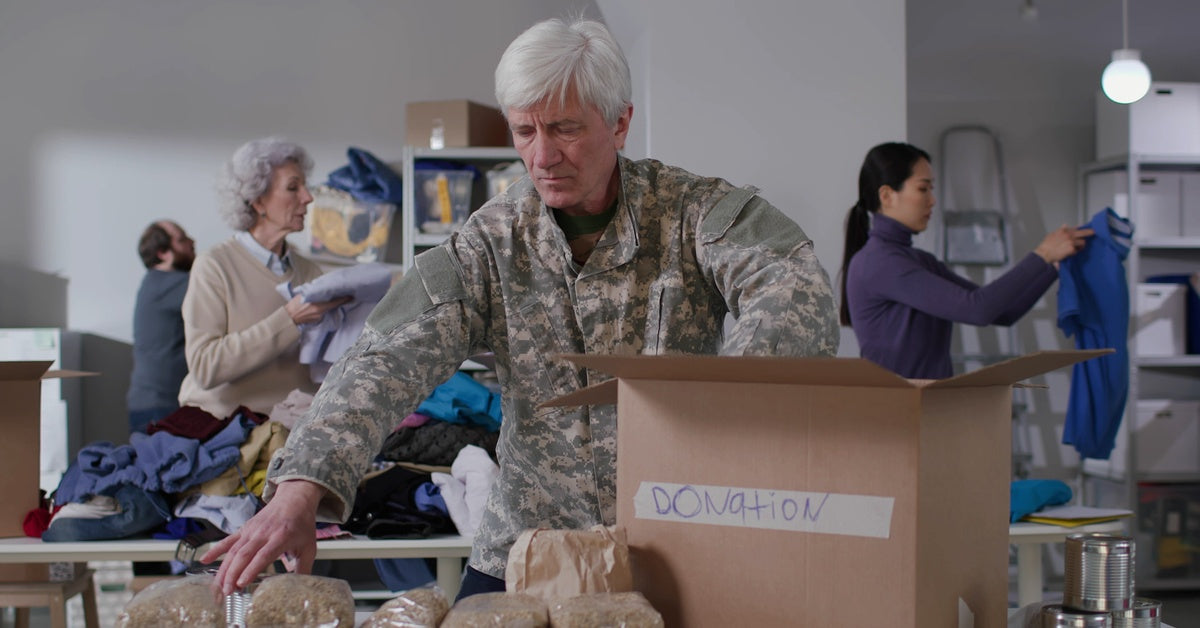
119	112
781	95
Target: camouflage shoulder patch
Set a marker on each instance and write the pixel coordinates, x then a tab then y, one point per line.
435	279
769	228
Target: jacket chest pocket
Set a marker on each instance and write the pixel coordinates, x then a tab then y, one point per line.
673	322
535	337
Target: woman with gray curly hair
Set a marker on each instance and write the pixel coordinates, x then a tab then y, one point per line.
242	338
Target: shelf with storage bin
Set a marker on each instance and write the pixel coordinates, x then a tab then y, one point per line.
1167	361
341	230
1158	447
1168	243
483	159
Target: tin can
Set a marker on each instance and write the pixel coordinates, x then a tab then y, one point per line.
1146	613
1098	572
1055	616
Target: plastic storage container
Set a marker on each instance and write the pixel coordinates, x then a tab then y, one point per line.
344	227
443	199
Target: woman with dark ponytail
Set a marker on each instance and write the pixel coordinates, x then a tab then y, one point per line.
901	301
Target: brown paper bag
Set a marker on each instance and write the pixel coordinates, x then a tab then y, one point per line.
557	564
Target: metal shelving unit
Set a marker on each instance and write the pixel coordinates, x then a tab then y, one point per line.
413	240
1168	377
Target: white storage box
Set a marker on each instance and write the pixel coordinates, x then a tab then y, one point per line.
1159	201
1167	435
1189	203
1159	319
1166	121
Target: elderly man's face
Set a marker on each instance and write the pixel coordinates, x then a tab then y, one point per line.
570	152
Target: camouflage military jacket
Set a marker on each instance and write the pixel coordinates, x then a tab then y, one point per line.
680	253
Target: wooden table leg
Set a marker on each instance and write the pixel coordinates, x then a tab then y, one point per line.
91	617
58	610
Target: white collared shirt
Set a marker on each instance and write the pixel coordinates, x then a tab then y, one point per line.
279	265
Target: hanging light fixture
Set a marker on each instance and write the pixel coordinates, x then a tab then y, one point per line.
1126	79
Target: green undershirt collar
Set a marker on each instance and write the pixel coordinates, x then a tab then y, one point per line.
575	226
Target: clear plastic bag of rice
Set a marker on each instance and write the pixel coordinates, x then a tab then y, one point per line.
423	607
611	610
293	599
187	601
496	610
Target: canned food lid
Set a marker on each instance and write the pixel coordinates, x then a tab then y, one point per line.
1143	608
1100	543
1100	538
1055	615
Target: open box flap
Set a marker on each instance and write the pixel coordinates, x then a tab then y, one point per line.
744	369
17	371
595	395
1017	369
60	374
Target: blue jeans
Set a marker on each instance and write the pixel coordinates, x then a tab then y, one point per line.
141	511
475	582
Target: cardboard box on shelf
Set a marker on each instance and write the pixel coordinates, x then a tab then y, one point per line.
462	123
1159	318
20	438
1165	122
1189	202
1159	200
1168	439
825	491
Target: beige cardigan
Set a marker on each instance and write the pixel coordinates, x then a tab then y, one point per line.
242	346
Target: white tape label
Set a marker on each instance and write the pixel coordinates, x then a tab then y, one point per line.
795	511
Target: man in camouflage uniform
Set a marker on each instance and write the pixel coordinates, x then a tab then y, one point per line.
592	253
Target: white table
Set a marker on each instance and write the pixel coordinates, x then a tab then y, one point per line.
1029	538
449	550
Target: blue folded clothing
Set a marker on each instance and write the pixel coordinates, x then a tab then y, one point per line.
367	178
1029	496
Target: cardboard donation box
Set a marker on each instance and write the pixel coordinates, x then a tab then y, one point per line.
814	492
21	429
454	124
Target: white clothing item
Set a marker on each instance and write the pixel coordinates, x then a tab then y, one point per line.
466	489
278	265
454	493
98	507
226	512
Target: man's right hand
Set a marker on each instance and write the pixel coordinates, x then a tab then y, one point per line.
287	524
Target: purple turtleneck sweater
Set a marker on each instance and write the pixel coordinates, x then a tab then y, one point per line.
903	301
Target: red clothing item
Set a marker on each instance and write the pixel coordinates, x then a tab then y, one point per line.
192	422
37	520
188	422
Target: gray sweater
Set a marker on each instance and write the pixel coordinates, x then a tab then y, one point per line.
158	359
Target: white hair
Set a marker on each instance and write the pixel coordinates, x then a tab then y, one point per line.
248	176
553	59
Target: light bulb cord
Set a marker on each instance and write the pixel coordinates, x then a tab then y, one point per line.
1125	24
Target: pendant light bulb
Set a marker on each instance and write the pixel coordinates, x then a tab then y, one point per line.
1126	79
